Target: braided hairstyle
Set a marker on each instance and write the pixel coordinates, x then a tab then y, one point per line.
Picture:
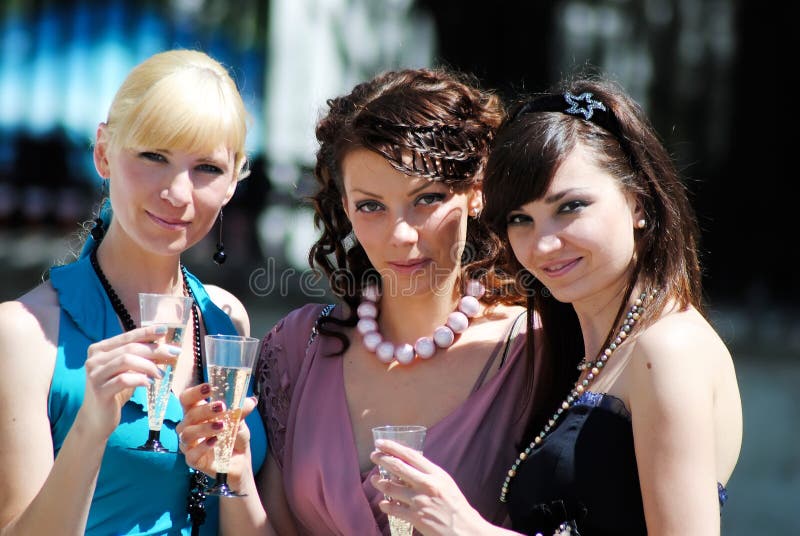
429	123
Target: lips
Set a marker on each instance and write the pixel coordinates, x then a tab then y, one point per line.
169	223
409	266
559	268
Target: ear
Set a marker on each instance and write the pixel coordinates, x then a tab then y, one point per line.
100	152
231	190
475	202
637	210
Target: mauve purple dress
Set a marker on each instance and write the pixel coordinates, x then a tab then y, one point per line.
302	400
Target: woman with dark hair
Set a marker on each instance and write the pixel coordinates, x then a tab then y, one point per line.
643	440
416	340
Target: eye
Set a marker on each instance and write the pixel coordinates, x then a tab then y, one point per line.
572	206
368	206
518	219
153	157
210	168
429	199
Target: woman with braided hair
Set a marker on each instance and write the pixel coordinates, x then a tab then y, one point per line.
416	339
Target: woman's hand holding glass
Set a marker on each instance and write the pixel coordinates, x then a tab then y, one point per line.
114	368
428	497
202	421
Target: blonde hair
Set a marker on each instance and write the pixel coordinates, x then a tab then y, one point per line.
181	99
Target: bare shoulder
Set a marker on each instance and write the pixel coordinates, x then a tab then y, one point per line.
34	314
682	338
232	306
678	360
503	313
29	328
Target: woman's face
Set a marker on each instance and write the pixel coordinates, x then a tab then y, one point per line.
578	239
412	229
166	200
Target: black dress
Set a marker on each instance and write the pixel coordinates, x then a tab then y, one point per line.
583	474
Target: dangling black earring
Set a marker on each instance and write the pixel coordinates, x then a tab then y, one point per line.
220	256
98	231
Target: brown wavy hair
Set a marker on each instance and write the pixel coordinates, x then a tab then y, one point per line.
431	123
528	151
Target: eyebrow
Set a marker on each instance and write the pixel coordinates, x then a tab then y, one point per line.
552	198
411	193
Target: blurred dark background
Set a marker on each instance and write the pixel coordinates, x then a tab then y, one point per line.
712	75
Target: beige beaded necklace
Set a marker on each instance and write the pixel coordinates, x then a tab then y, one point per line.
580	387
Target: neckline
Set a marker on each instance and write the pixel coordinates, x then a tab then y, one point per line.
480	386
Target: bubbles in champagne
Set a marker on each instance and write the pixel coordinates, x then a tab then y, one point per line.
229	385
399	527
158	391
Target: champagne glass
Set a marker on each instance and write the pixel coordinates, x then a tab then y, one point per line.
173	312
412	436
230	361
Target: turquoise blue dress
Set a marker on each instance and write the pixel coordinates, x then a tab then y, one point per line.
137	492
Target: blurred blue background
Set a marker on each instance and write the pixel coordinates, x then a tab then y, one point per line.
710	73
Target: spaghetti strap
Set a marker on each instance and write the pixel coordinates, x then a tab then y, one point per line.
512	331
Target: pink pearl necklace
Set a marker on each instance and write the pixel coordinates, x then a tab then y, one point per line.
425	347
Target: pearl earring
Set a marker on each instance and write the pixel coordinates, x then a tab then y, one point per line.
641	224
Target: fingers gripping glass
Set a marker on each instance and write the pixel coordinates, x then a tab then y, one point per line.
172	312
230	361
411	436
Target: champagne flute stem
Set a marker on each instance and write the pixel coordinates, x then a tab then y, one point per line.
154	441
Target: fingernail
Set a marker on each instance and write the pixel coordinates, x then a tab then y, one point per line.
216	407
152	381
160	330
217	425
161	373
173	350
380	442
211	441
205	389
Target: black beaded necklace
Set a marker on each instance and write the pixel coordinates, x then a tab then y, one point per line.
198	481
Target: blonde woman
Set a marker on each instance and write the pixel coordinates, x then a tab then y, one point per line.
75	362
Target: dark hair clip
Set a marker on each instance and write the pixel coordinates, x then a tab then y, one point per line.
575	107
581	105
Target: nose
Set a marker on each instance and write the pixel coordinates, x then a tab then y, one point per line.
547	243
179	190
403	233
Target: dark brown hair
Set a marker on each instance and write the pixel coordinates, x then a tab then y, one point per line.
529	148
430	123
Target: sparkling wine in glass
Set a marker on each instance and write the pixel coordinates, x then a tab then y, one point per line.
172	312
412	436
230	361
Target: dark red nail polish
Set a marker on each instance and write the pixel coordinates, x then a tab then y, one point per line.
217	425
205	389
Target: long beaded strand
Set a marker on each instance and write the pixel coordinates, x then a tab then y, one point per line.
198	481
580	387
